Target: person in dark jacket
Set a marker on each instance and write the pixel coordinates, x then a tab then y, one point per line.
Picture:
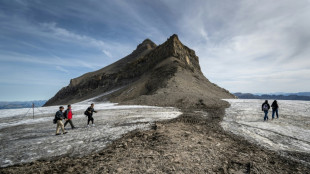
59	117
68	117
275	108
90	111
265	108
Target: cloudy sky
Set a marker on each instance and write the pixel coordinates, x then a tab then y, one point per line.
254	46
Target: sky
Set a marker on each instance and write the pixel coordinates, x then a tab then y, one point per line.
255	46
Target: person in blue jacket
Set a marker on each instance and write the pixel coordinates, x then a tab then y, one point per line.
265	108
275	109
89	113
59	116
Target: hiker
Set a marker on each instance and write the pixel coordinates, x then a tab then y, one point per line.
68	117
59	117
89	113
265	108
275	108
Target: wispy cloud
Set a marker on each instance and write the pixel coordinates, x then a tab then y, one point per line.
47	60
107	53
66	35
62	69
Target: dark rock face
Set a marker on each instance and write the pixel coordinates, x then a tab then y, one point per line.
146	70
91	84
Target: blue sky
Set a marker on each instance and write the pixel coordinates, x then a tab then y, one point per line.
247	46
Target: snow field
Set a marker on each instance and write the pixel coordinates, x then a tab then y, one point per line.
291	132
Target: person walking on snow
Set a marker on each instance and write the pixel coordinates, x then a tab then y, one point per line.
68	115
89	113
59	117
275	108
265	108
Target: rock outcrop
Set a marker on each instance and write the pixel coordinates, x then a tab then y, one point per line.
164	75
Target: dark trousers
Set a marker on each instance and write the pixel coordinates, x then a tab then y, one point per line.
90	119
266	115
275	111
70	122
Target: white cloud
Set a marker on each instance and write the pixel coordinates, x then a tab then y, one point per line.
251	45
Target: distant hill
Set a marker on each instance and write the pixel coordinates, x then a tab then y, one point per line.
303	93
295	96
21	104
285	93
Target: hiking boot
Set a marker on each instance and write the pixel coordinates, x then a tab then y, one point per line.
58	134
65	132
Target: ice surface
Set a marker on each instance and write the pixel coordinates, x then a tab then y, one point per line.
291	132
24	139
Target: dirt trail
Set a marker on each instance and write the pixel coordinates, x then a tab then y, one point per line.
191	143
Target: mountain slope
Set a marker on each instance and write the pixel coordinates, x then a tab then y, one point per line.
164	75
97	82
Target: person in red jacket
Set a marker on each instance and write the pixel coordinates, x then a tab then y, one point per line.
68	115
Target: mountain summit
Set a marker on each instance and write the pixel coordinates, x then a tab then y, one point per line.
164	75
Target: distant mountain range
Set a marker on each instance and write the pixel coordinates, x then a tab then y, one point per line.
285	93
21	104
275	96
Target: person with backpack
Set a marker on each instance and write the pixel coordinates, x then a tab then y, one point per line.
58	118
265	108
68	117
275	108
89	113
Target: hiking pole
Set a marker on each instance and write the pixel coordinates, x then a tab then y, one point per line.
32	110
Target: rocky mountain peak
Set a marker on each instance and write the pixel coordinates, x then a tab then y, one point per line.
173	47
174	39
146	44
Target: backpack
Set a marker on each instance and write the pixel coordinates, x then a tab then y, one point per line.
66	114
265	107
86	112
